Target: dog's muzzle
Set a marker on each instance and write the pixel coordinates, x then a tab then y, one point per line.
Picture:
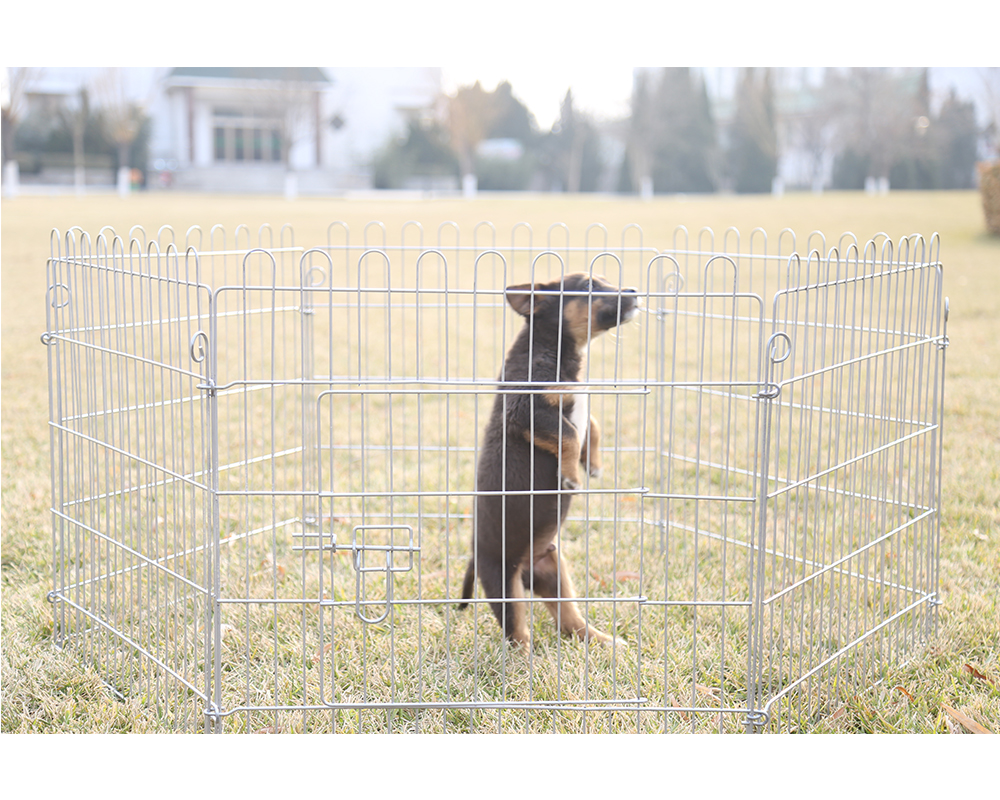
621	309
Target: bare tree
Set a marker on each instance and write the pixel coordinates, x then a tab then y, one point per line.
814	132
876	112
990	77
16	81
75	114
121	115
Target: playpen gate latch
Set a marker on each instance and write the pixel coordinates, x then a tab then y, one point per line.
360	547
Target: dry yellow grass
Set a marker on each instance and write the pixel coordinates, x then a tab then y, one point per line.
45	690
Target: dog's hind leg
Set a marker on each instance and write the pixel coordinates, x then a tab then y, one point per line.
502	584
552	579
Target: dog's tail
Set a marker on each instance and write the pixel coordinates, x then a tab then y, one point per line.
468	584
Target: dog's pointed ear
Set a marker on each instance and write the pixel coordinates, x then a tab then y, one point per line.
520	298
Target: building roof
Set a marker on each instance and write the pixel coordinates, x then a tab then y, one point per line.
185	75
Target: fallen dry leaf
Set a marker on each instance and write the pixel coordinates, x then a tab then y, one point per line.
965	721
903	690
598	578
707	691
327	648
975	673
267	565
626	576
838	713
672	702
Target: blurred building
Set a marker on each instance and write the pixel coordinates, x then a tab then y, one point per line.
243	129
233	129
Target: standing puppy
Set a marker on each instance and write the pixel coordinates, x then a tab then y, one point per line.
534	445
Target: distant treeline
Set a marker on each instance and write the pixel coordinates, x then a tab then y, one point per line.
855	125
40	135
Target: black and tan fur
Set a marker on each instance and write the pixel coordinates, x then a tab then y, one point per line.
532	448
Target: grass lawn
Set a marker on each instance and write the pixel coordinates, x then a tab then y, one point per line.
949	686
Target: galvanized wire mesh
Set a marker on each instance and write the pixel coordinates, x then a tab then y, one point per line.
263	476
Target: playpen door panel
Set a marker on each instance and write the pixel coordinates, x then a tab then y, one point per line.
396	477
391	516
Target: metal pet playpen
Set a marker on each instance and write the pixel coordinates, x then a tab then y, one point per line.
263	476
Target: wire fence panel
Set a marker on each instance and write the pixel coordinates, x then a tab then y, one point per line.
270	472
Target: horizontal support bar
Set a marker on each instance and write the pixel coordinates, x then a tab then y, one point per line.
844	559
134	553
868	454
846	648
55	596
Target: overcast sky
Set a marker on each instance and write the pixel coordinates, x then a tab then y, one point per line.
546	46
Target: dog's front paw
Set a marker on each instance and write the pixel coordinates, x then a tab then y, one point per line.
568	483
606	639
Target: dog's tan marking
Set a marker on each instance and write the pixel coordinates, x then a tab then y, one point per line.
590	450
567	449
576	312
561	400
550	444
